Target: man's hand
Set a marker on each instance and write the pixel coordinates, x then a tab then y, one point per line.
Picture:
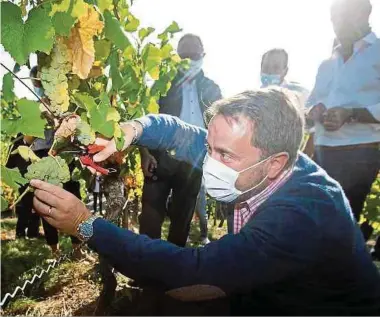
58	207
110	145
334	118
148	163
316	113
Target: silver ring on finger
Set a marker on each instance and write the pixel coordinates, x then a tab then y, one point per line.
50	210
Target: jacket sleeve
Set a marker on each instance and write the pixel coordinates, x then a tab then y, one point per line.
266	250
183	141
212	92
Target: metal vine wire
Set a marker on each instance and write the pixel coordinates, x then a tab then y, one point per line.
35	277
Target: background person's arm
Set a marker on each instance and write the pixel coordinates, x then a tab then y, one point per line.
370	114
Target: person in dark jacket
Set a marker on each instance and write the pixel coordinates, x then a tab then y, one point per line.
27	223
190	95
296	248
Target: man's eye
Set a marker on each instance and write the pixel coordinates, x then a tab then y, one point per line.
226	157
208	148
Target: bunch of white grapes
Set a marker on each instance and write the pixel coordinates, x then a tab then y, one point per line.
54	79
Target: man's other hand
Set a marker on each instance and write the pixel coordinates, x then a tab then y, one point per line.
335	118
58	207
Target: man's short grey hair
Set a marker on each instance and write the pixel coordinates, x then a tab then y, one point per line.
278	124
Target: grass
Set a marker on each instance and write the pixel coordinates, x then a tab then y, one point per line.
72	288
22	258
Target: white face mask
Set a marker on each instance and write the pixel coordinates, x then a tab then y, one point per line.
219	179
194	68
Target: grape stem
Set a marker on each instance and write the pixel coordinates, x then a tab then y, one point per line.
50	153
30	89
27	190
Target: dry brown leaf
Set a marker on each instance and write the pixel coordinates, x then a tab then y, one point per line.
81	42
67	127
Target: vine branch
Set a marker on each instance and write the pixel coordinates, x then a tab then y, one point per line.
30	89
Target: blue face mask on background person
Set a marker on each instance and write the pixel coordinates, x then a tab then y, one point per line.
270	79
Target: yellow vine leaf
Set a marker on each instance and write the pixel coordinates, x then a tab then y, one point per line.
112	115
153	106
77	9
81	41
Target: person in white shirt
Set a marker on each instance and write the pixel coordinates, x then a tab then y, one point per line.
345	105
274	68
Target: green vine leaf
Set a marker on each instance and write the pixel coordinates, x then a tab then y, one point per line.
105	5
145	32
29	123
84	133
98	118
63	22
132	23
8	86
114	31
52	170
117	79
75	8
152	59
12	177
4	204
19	39
102	50
84	101
173	28
26	153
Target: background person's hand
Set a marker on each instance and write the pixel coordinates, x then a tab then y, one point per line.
66	212
335	118
316	113
148	164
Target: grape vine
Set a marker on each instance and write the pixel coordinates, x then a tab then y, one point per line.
97	66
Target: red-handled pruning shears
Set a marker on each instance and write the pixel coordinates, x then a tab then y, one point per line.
86	158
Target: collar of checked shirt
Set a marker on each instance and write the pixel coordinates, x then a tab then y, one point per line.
245	210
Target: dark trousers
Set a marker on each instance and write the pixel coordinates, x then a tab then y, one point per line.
96	197
184	181
27	222
51	233
354	168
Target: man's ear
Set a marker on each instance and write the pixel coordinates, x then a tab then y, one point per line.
277	164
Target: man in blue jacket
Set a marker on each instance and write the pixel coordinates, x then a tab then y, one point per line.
296	248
